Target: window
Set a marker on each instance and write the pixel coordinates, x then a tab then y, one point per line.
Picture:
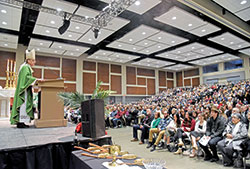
234	64
210	68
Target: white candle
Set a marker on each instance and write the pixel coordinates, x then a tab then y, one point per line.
11	65
14	66
8	65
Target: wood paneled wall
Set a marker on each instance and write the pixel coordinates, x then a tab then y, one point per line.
166	80
140	81
109	74
179	79
191	78
69	69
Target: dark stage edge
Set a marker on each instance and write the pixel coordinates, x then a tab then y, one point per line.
46	148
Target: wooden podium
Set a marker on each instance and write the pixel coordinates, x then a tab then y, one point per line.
51	108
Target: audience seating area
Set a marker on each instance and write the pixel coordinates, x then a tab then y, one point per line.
198	122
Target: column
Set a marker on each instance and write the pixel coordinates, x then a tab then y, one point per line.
201	75
20	55
124	82
79	79
157	81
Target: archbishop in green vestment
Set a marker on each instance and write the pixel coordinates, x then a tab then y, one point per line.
22	109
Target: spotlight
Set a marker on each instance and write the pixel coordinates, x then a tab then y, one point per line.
64	27
96	32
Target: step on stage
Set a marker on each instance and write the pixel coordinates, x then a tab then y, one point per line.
39	148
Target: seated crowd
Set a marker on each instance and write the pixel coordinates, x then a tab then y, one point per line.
208	118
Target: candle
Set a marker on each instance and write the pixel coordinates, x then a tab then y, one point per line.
8	65
11	65
14	66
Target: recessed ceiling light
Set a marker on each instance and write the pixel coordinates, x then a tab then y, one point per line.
190	24
192	47
121	60
120	45
60	46
148	64
159	46
203	30
148	60
52	22
231	43
71	53
239	46
178	51
86	17
143	33
188	54
134	48
77	49
109	58
4	23
145	43
222	38
37	49
5	44
243	2
174	18
166	55
41	43
202	50
159	37
47	31
211	53
129	57
130	40
59	9
3	11
70	36
104	53
139	63
137	3
90	39
147	51
117	55
77	27
55	51
172	41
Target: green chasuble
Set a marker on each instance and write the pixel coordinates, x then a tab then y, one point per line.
24	82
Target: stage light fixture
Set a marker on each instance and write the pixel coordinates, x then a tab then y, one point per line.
96	32
64	27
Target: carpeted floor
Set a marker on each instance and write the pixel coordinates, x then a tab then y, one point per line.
122	136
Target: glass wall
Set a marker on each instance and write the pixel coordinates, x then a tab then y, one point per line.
234	64
210	68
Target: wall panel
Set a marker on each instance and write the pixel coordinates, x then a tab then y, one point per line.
179	79
141	81
131	75
89	82
151	86
89	65
145	72
51	74
116	84
70	87
69	69
136	90
103	72
104	87
193	72
116	69
170	75
47	61
170	84
196	81
187	82
161	89
162	78
2	83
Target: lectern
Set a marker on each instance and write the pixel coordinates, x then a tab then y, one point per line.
51	113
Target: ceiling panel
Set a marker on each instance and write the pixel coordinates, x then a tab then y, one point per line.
103	53
8	38
89	36
188	48
246	51
68	47
206	51
169	55
244	14
178	18
145	43
40	43
179	67
10	17
148	62
47	50
205	30
234	5
122	56
73	53
215	59
60	5
229	40
125	46
8	45
48	31
154	48
190	56
167	38
138	34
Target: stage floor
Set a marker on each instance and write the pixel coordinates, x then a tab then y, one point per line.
12	137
